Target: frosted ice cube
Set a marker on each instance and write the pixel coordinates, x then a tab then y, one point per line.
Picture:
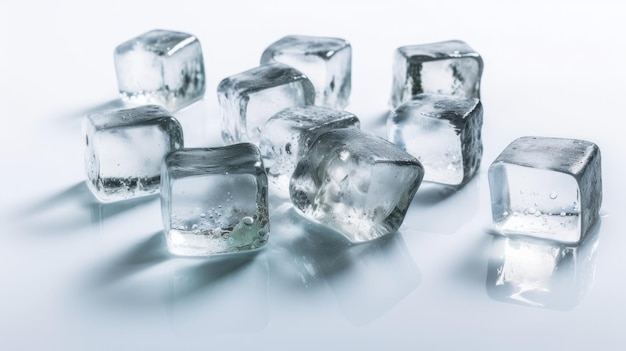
287	136
214	200
161	67
356	183
448	67
248	99
548	188
124	150
327	62
541	273
443	132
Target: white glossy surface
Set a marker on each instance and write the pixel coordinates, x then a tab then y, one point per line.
77	275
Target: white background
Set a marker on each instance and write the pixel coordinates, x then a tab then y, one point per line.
75	275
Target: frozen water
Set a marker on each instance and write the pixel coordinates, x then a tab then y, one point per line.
161	67
124	150
214	200
248	99
541	273
449	67
356	183
443	132
548	188
287	136
327	62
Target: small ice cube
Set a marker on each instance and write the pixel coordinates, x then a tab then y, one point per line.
124	150
287	136
226	184
248	99
448	67
326	61
356	183
558	178
443	132
161	67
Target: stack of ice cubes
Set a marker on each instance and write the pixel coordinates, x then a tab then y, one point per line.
437	114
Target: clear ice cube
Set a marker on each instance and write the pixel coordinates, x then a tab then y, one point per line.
356	183
549	188
248	99
443	132
214	200
327	62
161	67
448	67
124	150
287	136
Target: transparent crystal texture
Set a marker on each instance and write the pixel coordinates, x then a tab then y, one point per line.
161	67
541	273
448	67
327	62
356	183
214	200
548	188
443	132
288	135
124	150
248	99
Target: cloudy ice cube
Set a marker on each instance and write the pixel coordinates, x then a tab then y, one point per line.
327	62
443	132
356	183
161	67
549	188
124	150
287	136
214	200
248	99
448	67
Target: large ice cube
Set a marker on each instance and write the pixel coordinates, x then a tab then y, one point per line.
443	132
356	183
288	135
214	200
326	61
161	67
448	67
124	150
548	188
248	99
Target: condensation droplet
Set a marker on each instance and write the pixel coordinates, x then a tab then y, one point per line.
532	210
538	214
505	213
202	215
562	214
344	154
194	227
553	195
247	220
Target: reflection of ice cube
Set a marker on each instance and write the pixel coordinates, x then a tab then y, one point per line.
161	67
443	132
547	188
287	136
326	61
248	99
214	200
356	183
124	150
541	273
449	67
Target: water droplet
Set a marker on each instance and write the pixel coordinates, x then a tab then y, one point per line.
217	231
505	213
202	215
562	214
247	220
219	206
532	210
516	213
194	227
553	195
344	154
538	213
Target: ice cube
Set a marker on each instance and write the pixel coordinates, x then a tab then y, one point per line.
161	67
124	150
548	188
356	183
288	135
541	273
326	61
214	200
248	99
443	132
448	67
